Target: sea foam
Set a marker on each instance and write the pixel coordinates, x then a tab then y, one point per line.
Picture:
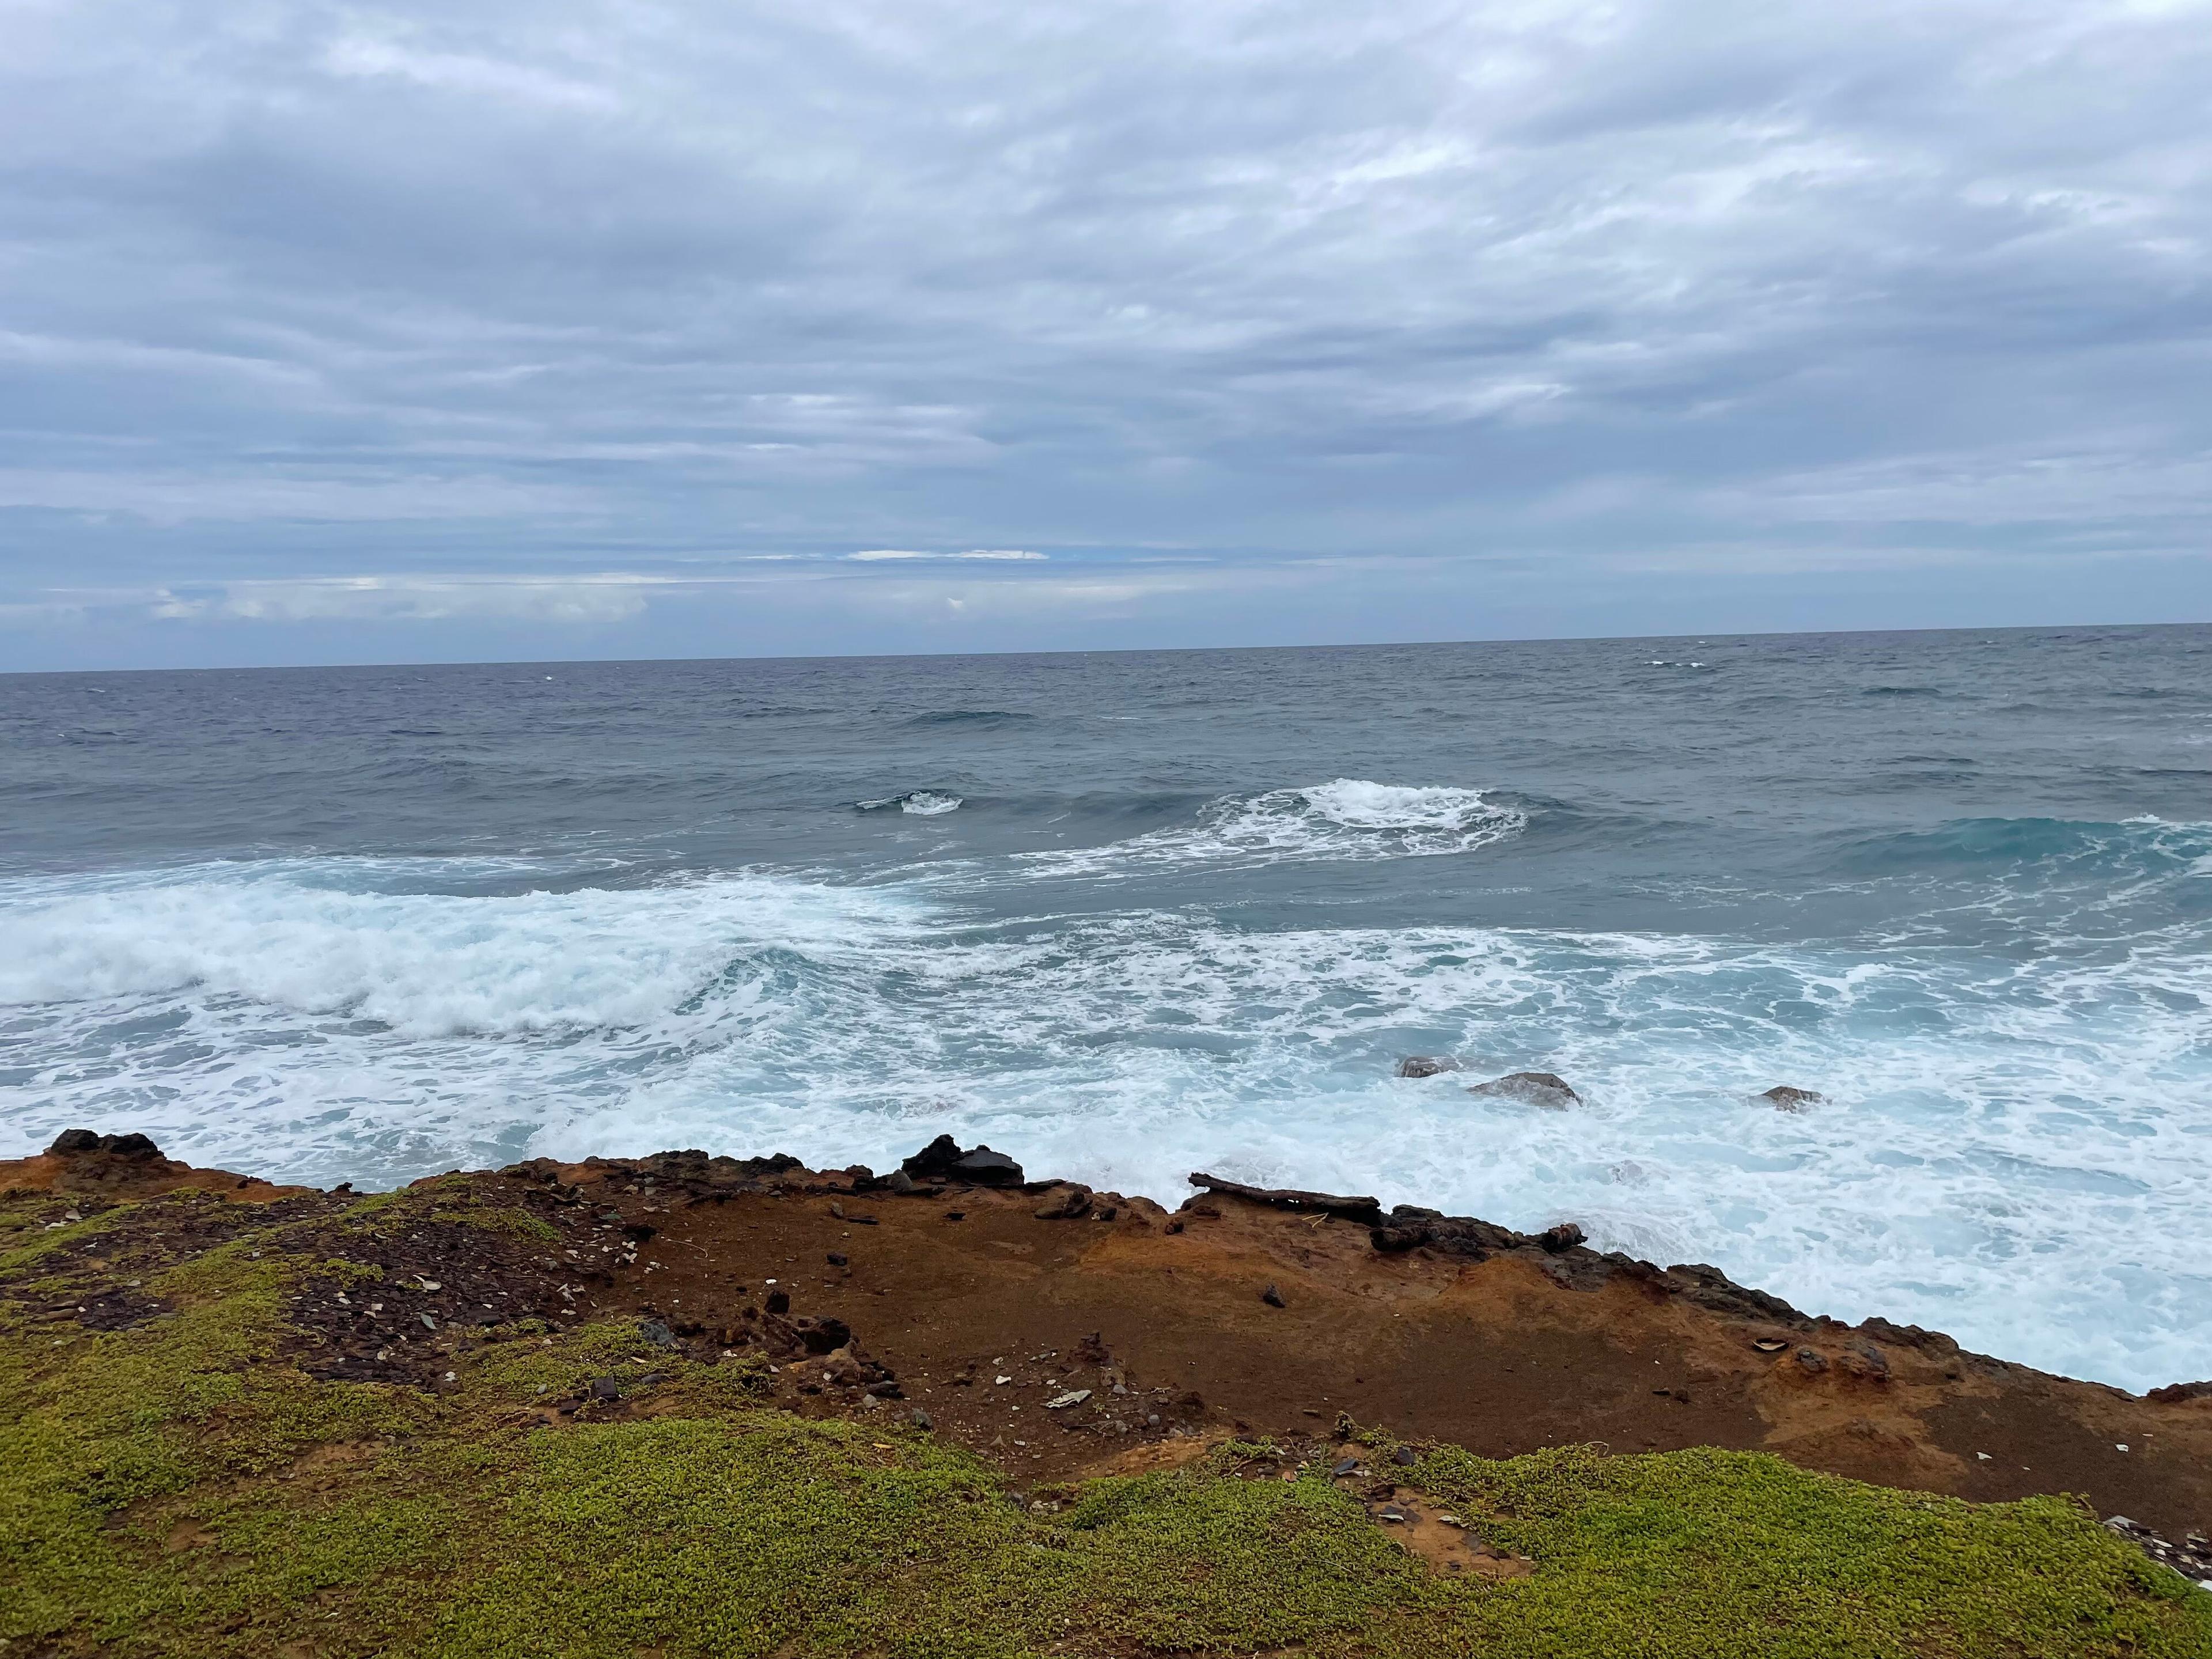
2012	1149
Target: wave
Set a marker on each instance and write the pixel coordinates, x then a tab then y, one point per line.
2134	847
311	938
2011	1156
1346	819
968	717
922	803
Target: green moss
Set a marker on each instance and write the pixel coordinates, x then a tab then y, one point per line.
181	1487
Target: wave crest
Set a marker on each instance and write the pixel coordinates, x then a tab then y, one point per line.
1345	820
922	803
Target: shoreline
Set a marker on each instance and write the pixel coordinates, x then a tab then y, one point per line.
1271	1309
685	1404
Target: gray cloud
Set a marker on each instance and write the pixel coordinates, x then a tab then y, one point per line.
1338	314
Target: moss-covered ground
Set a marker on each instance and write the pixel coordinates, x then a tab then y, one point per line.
182	1486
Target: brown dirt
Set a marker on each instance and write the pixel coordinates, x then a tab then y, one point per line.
1473	1336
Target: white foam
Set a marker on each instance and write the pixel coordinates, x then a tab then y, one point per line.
2015	1149
1345	820
922	803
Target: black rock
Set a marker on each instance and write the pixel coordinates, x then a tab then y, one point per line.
1565	1236
1272	1298
1427	1065
605	1387
779	1302
1343	1466
835	1258
1405	1457
1543	1089
71	1142
825	1335
943	1160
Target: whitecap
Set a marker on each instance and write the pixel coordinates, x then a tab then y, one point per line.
1346	819
922	803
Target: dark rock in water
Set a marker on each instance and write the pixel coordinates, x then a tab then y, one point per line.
943	1160
1272	1298
1070	1203
1783	1098
76	1142
1427	1065
1565	1237
1536	1088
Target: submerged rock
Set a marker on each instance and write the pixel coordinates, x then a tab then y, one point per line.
1543	1089
1785	1099
1427	1065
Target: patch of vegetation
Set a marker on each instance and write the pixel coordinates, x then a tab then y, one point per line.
181	1487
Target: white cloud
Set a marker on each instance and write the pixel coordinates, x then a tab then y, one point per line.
395	288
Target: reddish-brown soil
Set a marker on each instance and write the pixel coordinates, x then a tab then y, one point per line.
966	1306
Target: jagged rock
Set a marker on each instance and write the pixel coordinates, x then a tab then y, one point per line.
1283	1198
822	1335
1783	1098
1811	1361
1410	1226
1428	1066
1272	1298
2175	1394
1565	1237
1543	1089
71	1143
1865	1361
979	1165
1071	1202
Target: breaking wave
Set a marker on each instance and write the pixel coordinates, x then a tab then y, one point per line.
922	803
1347	819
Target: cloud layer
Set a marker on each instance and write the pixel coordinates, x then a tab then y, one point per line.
579	327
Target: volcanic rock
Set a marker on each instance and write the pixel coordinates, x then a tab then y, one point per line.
1543	1089
1783	1098
1427	1065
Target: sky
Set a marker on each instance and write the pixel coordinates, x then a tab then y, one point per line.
385	332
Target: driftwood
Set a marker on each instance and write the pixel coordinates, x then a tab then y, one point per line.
1369	1210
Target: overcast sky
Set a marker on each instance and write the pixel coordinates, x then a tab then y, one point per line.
375	332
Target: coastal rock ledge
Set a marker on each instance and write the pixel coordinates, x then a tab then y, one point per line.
672	1403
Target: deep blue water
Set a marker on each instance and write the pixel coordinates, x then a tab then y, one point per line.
1129	914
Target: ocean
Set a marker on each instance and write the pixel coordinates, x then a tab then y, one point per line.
1126	915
